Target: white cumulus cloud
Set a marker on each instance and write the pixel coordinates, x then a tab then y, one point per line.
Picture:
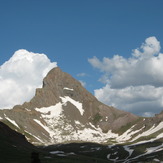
81	74
136	83
21	75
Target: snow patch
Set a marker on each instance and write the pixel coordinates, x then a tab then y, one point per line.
97	135
61	153
34	137
61	130
77	122
13	122
37	139
78	105
160	136
56	152
108	157
148	151
152	130
128	134
157	160
51	133
130	151
51	111
154	149
27	109
70	89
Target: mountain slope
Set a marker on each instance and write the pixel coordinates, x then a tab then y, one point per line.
63	111
13	146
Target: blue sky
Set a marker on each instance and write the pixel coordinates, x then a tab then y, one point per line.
70	32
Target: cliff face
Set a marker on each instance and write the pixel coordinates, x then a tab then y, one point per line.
62	111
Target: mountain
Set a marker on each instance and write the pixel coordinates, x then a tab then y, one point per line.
62	111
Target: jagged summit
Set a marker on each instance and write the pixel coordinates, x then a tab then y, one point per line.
63	111
58	84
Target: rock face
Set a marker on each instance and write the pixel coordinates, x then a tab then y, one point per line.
63	111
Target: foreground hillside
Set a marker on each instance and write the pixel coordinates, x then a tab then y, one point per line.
13	146
16	149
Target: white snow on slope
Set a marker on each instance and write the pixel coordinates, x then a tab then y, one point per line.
126	147
128	134
13	122
27	109
51	111
34	137
70	89
88	134
60	129
37	139
160	136
62	153
56	110
78	105
130	151
152	130
154	149
148	151
108	157
51	133
56	152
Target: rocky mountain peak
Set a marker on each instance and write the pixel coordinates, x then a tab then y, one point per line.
59	84
62	111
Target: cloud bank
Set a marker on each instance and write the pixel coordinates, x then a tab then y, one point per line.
133	84
21	75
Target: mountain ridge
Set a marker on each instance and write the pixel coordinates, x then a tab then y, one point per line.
59	87
62	111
